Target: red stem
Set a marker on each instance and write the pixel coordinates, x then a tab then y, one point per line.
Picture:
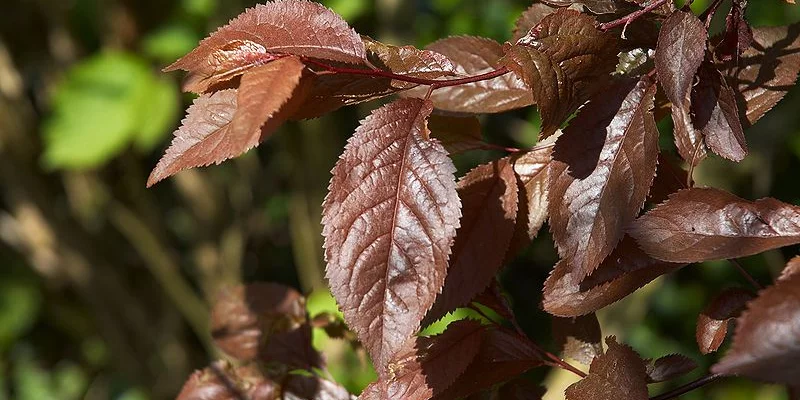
745	274
632	16
434	83
688	387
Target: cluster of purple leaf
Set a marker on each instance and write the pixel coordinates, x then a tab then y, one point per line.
405	243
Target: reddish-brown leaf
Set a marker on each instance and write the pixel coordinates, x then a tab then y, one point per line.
792	268
530	18
603	166
564	60
669	367
621	273
264	321
738	35
221	381
456	134
709	224
594	6
712	323
766	345
489	210
328	92
298	27
227	123
533	170
389	221
716	114
679	53
766	71
472	56
408	60
503	355
578	338
427	366
618	374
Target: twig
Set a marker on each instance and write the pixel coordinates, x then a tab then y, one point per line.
434	83
688	387
745	274
632	16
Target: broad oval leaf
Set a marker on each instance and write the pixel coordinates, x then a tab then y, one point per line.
389	221
227	123
564	60
712	323
578	338
427	366
624	271
716	114
766	345
669	367
489	209
766	71
472	56
603	166
697	225
618	374
298	27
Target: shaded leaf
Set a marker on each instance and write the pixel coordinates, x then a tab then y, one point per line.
618	374
503	355
456	134
712	323
299	387
709	224
255	37
621	273
564	61
603	166
529	19
766	345
227	123
489	207
716	114
221	381
472	56
679	53
669	179
669	367
594	6
264	321
578	338
408	60
792	268
766	71
427	366
389	221
533	170
738	35
328	92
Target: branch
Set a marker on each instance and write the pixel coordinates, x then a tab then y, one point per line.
705	380
632	16
434	83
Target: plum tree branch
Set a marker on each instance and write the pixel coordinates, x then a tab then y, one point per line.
632	16
705	380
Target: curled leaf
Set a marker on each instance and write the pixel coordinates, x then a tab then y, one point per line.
669	367
298	27
766	345
578	338
564	60
716	114
712	323
603	166
389	221
709	224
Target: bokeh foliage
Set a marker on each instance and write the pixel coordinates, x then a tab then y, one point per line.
105	286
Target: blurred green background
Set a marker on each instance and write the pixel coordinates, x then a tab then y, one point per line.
105	285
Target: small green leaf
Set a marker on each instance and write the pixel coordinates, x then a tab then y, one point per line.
159	109
168	44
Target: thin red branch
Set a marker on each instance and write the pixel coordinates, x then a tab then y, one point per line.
434	83
688	387
632	16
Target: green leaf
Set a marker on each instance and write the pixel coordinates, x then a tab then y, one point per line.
170	43
103	104
20	302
